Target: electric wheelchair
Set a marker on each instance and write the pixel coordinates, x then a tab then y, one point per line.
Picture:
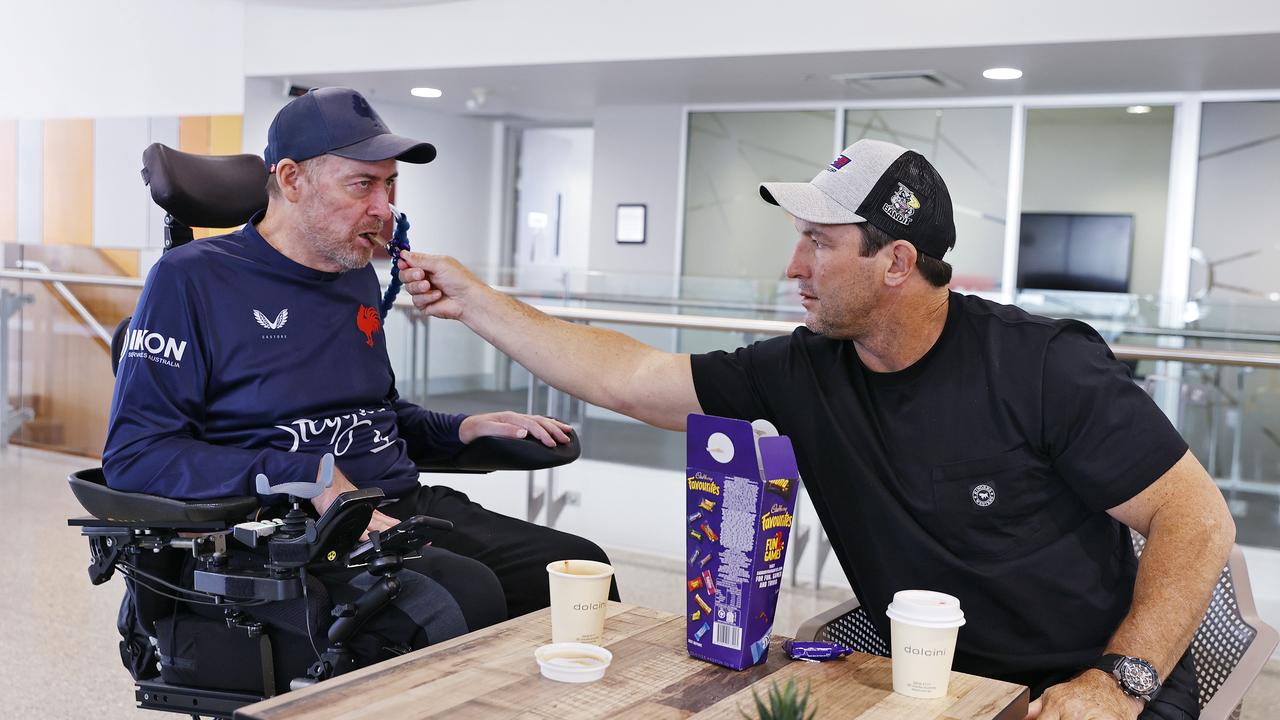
224	605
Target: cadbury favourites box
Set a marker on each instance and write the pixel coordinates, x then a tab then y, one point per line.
740	498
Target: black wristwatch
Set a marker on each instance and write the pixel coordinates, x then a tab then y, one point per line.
1137	677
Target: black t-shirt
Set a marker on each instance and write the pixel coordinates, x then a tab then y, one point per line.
983	470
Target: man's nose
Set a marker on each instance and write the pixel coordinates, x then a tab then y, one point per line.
380	204
799	265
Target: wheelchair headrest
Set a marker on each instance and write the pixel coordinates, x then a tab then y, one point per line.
207	191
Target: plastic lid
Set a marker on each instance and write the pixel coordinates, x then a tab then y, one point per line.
926	608
572	662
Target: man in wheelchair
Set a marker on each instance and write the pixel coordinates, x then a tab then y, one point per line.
255	364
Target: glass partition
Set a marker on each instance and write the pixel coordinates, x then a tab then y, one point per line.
1082	164
729	232
1235	251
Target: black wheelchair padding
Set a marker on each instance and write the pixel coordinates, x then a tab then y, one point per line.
407	536
117	343
209	191
104	503
485	454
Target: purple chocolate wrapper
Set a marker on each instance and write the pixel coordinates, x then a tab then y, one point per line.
798	650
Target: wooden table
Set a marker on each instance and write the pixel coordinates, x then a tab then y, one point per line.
491	674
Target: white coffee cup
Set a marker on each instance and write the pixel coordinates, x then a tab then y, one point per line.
923	628
579	599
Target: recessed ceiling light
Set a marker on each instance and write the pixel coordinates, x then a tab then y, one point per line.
1002	73
1138	109
425	92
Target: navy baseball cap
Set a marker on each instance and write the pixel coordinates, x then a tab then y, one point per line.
337	121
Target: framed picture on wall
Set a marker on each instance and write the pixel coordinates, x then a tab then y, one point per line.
629	225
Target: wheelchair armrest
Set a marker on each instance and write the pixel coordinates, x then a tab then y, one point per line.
487	454
104	503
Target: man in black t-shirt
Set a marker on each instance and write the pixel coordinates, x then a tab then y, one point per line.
947	442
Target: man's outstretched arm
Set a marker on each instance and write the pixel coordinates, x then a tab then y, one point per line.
603	367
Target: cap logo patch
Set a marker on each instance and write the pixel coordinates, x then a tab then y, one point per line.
361	106
838	163
902	206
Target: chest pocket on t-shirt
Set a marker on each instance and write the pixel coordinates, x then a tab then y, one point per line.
990	507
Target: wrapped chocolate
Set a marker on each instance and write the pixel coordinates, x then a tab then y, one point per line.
814	651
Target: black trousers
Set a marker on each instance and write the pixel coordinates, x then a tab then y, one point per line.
1179	697
495	566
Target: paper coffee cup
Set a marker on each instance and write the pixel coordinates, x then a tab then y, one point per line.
923	627
579	599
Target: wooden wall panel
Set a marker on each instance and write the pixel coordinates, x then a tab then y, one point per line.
8	181
68	182
193	135
224	134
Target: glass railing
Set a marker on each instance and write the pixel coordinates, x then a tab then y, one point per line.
1213	367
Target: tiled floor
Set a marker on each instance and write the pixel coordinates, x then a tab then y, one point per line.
57	631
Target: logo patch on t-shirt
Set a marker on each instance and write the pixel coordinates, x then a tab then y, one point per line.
153	346
369	323
983	495
281	318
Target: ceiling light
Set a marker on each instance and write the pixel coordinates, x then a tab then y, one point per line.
425	92
1002	73
1138	109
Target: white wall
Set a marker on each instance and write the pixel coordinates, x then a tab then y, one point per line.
637	160
519	32
87	58
1092	161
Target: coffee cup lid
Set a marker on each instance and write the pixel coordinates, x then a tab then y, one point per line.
926	608
572	662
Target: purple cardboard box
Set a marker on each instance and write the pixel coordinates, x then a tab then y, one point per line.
739	515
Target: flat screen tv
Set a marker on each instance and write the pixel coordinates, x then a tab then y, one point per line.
1065	251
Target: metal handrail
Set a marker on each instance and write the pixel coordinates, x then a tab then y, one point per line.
43	273
707	322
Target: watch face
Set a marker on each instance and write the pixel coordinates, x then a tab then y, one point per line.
1138	676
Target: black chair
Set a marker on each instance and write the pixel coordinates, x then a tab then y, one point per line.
233	580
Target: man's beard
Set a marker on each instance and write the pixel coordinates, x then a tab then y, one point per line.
336	245
343	253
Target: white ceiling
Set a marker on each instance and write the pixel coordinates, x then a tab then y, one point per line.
347	4
570	92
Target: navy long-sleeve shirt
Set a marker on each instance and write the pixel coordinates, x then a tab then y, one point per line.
239	361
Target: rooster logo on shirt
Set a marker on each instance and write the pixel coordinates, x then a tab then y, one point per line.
368	321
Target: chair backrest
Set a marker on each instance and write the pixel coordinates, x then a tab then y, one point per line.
211	191
117	343
852	630
1231	643
1229	648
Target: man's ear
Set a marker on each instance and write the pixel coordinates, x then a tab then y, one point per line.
288	178
902	262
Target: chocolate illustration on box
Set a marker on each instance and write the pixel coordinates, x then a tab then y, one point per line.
740	491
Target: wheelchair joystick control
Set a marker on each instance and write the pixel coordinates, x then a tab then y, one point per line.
295	521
